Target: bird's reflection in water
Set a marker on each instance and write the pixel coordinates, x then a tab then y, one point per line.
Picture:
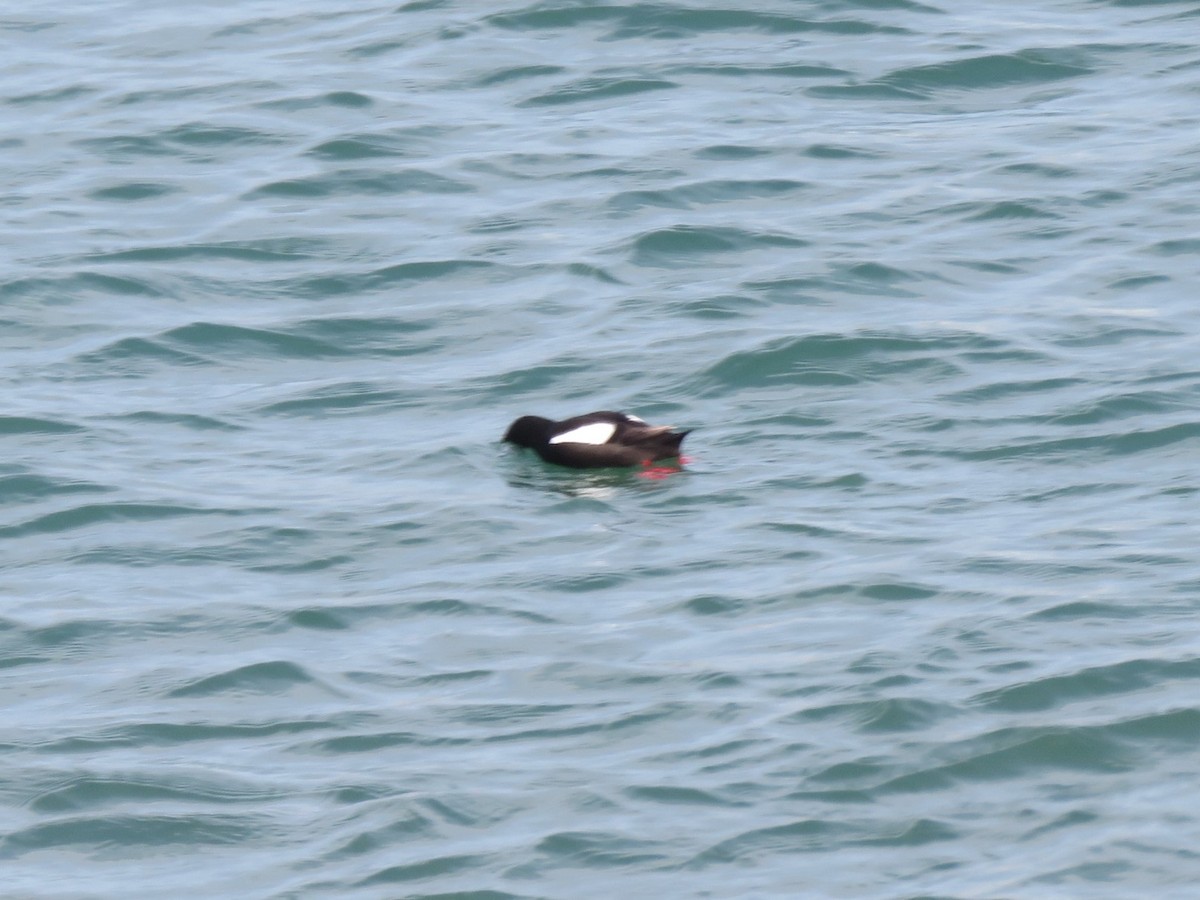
593	484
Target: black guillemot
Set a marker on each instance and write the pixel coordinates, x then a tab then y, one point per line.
596	440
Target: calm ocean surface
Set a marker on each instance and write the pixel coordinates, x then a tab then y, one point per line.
281	618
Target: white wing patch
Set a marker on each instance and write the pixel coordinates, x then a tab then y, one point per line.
629	418
595	433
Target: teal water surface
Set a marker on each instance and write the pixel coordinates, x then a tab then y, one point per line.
283	618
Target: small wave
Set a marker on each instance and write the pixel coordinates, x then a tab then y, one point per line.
188	829
840	359
1000	390
167	734
355	181
986	211
1072	450
1056	691
682	243
207	134
679	796
439	867
518	73
793	837
85	792
25	487
838	151
706	192
1027	68
887	715
213	340
1084	610
1012	753
332	285
659	20
597	88
51	95
353	398
1050	171
190	421
202	344
1033	66
251	252
356	148
731	152
102	514
788	290
871	279
753	71
1120	406
597	849
336	99
136	356
726	307
1134	282
80	285
200	139
125	148
370	742
867	91
275	677
378	335
1180	726
257	548
12	425
1177	247
133	191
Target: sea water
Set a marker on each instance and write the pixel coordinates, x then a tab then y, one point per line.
282	618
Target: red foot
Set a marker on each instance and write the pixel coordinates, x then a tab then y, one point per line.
659	472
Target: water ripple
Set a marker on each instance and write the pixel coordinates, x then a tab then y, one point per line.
284	617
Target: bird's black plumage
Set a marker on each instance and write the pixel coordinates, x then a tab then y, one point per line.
596	440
